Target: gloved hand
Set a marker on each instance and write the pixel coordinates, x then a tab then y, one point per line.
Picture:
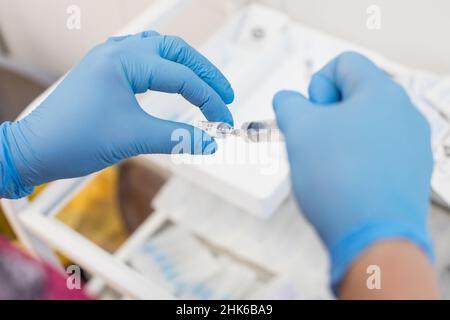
361	159
93	120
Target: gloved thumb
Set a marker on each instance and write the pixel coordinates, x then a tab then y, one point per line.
322	91
343	77
169	137
290	107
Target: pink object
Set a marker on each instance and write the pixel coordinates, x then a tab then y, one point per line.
22	277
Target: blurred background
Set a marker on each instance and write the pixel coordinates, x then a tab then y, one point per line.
34	36
146	215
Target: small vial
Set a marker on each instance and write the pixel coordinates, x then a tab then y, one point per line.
220	130
254	131
262	131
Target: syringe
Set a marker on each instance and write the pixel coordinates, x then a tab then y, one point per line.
253	131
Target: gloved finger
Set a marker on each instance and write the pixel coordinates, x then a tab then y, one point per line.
118	38
289	107
147	34
140	35
171	77
177	50
159	136
322	91
342	77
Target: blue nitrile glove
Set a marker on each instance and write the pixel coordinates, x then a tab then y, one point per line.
361	159
93	120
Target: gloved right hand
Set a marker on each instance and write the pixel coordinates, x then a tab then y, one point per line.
361	159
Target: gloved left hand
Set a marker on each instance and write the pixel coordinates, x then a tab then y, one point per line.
93	120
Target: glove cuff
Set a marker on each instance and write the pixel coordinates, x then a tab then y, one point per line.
11	186
346	251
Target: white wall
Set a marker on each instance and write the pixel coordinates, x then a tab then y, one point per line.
416	32
36	31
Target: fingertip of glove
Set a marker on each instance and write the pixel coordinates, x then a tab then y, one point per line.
229	95
323	91
228	118
284	96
